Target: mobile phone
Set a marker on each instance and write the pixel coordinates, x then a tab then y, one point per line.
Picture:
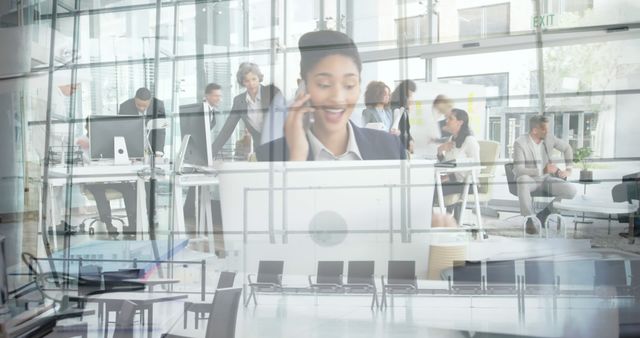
308	117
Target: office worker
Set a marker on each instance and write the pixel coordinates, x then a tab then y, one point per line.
318	125
536	171
209	107
262	108
460	146
377	97
401	100
143	104
442	106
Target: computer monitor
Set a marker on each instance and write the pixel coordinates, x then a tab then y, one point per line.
103	129
4	282
195	123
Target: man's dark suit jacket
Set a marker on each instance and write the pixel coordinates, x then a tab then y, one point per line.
372	144
128	107
198	108
239	112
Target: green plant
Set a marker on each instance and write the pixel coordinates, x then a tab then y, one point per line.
582	156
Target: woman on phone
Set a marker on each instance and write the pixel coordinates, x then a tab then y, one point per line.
461	146
317	125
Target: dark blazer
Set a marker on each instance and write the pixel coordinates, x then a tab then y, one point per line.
405	129
198	108
128	107
373	145
443	133
239	112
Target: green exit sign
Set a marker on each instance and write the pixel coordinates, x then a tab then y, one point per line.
545	20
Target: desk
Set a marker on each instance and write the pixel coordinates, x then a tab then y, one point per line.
202	182
58	177
143	300
470	179
601	206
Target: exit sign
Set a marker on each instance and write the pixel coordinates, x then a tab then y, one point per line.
545	20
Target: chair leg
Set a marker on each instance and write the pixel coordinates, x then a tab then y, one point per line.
251	294
196	318
255	300
384	298
184	315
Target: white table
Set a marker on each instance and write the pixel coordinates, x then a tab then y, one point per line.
59	177
581	204
471	179
202	182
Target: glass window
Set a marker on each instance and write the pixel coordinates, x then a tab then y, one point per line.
482	22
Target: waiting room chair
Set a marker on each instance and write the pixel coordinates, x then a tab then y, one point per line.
269	279
401	279
501	277
199	309
467	277
611	273
224	314
328	278
361	280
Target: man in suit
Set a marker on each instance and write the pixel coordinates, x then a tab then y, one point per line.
143	104
536	171
210	107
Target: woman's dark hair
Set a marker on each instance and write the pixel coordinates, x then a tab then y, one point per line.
465	131
401	94
374	93
315	46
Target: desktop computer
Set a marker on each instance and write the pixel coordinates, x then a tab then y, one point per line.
196	124
104	129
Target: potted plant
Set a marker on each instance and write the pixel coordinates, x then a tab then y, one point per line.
582	156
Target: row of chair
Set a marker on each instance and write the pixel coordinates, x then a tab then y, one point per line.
466	277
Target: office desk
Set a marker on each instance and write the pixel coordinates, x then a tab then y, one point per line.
471	179
202	182
59	177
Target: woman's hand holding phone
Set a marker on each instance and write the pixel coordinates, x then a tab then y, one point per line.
294	128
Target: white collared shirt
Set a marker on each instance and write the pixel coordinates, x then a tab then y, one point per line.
537	154
254	110
320	153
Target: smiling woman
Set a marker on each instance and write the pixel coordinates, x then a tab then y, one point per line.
330	69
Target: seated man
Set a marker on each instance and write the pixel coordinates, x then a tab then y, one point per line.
143	104
535	171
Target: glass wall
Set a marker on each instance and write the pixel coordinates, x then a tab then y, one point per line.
502	61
